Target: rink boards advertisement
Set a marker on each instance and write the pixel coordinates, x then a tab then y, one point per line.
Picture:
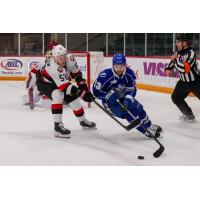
16	68
149	71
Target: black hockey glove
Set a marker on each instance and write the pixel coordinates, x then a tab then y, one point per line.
87	96
81	82
73	91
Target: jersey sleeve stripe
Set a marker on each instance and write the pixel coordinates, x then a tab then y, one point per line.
63	86
187	67
45	73
35	71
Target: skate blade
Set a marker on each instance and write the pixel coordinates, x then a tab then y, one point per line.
62	136
187	120
88	128
38	109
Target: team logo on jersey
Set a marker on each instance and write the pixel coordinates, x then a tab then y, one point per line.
103	75
34	64
113	82
98	85
60	69
11	64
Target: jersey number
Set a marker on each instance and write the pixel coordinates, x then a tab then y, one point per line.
62	77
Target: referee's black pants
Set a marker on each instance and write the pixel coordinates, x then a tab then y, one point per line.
181	91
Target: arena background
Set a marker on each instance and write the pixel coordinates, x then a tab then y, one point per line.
147	54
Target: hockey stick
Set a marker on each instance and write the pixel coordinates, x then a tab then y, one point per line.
158	152
31	101
132	125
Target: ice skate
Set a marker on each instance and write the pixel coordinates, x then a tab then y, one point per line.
155	130
189	118
61	131
88	124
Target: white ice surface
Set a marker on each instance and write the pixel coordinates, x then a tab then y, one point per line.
26	137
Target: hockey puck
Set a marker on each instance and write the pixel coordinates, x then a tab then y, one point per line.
141	157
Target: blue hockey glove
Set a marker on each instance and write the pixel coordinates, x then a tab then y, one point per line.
112	97
131	103
128	101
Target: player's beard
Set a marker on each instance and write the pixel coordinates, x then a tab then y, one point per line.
119	72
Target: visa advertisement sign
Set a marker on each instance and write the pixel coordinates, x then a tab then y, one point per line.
157	69
150	71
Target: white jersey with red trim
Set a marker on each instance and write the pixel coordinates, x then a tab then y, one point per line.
32	75
60	75
72	66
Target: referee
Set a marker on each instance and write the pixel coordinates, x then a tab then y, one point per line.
184	61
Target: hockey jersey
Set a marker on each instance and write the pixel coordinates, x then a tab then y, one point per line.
186	64
109	80
32	75
60	76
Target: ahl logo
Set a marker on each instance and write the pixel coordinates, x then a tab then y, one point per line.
11	64
34	64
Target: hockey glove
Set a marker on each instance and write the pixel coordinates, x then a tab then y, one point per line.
112	97
72	90
132	103
87	96
82	85
81	82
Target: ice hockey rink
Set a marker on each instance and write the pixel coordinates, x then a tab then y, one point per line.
26	137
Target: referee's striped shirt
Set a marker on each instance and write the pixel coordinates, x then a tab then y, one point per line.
186	65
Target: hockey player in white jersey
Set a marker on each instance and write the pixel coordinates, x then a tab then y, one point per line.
54	81
32	95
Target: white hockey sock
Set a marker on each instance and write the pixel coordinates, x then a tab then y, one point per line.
77	109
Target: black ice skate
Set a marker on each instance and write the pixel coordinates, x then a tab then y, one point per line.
188	117
61	131
88	124
155	131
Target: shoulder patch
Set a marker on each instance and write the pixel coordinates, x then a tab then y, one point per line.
98	85
103	75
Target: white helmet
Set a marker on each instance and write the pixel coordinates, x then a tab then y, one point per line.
58	50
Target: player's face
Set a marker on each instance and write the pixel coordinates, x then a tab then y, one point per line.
61	60
119	69
179	45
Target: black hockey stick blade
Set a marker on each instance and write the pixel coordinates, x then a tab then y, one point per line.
133	124
157	153
161	149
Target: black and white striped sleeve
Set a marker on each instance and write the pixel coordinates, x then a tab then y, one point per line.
170	66
190	58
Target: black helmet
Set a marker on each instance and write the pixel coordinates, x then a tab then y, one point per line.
187	36
179	37
184	37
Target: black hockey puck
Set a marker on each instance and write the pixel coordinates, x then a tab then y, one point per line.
141	157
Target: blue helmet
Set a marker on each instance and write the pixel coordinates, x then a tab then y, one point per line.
119	59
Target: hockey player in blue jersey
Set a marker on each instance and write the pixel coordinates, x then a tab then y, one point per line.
118	82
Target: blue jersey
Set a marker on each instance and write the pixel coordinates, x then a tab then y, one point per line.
109	80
